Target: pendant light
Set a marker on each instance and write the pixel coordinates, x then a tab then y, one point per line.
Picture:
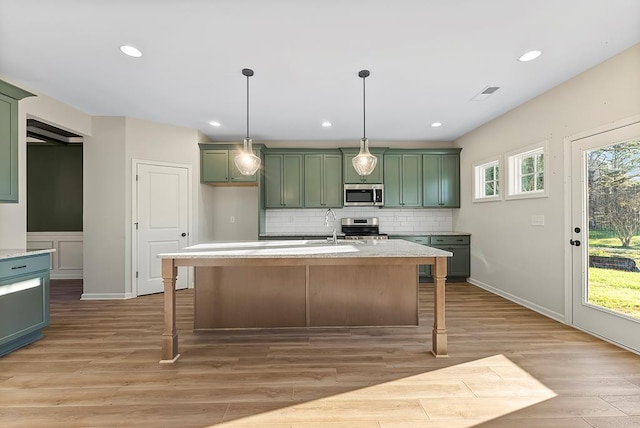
365	162
247	162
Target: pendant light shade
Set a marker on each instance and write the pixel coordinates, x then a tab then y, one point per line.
364	163
247	162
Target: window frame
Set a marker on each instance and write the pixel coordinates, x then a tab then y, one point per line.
513	161
478	175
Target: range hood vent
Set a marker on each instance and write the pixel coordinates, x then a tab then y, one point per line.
40	132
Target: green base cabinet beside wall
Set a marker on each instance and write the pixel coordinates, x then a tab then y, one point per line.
458	266
24	300
9	97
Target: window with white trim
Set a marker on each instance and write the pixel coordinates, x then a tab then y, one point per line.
486	177
527	173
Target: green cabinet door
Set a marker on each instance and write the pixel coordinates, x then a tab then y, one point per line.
283	181
441	181
459	265
273	171
9	97
322	180
402	180
450	181
333	188
392	180
411	180
214	166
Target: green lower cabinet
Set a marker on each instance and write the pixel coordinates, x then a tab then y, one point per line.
402	180
322	180
441	181
458	266
24	300
283	176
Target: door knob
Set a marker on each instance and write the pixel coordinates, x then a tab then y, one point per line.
183	234
575	243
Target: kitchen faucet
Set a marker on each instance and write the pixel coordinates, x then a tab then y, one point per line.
331	213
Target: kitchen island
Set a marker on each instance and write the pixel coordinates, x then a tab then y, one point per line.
304	283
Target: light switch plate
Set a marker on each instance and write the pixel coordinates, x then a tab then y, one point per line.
537	220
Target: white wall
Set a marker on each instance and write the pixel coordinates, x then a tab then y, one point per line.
13	217
109	156
508	254
104	209
239	202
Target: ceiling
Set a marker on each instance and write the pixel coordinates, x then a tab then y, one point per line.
428	60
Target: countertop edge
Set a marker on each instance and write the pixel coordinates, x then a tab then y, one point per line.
14	253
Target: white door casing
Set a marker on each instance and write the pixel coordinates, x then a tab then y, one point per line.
161	209
599	321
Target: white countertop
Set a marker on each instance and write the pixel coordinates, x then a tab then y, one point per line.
15	253
308	249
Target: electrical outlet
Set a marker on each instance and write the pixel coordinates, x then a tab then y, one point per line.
232	219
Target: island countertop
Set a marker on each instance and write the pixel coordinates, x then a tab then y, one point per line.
305	249
15	253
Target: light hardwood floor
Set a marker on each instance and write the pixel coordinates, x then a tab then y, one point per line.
97	365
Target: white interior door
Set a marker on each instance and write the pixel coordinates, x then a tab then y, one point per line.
605	180
162	221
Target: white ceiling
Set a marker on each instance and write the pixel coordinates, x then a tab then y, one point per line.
427	59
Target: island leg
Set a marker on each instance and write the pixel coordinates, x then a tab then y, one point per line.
170	333
439	336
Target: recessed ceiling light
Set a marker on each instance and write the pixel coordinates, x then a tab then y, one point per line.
436	124
130	51
530	56
326	124
214	123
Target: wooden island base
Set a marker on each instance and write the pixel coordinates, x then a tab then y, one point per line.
305	296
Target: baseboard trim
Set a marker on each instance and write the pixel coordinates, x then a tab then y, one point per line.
106	296
523	302
66	276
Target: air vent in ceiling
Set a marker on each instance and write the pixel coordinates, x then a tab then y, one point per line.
485	93
40	132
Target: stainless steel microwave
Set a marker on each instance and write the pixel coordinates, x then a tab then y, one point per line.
363	195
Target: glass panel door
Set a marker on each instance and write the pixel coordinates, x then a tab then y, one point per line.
606	235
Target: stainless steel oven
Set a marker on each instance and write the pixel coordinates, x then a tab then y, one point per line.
363	195
362	228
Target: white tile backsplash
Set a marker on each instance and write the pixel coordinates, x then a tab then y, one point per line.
392	221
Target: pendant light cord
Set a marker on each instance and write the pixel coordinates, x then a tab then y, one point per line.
364	109
247	106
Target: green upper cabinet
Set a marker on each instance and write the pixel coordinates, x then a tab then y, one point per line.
441	175
217	165
350	174
9	97
323	180
402	180
214	166
283	176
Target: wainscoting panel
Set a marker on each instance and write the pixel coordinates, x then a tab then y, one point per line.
66	261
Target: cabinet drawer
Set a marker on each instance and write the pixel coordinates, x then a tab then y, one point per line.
450	240
422	240
24	265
